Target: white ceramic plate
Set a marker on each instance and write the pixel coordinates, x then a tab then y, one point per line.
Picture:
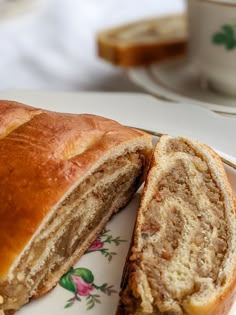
96	277
179	81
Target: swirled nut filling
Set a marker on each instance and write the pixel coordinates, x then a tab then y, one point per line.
81	213
181	240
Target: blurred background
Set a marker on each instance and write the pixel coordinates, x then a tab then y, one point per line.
50	44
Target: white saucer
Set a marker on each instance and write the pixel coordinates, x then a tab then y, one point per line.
177	80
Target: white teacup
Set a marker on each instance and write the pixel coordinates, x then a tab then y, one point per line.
212	42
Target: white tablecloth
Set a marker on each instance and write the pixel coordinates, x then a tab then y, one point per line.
53	47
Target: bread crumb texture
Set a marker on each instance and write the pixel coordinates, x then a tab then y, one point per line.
183	258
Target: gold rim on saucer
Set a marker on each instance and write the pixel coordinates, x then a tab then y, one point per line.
159	134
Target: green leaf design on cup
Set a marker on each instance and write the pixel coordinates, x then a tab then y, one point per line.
226	36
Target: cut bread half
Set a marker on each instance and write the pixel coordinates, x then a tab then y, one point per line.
183	258
144	42
62	176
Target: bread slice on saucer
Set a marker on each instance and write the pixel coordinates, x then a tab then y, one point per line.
144	42
183	258
62	176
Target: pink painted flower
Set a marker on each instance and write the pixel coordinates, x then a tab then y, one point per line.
97	244
83	288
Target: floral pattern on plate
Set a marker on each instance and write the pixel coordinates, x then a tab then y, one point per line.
81	281
102	240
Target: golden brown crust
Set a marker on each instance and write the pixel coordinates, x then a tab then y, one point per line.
12	115
138	51
40	159
141	54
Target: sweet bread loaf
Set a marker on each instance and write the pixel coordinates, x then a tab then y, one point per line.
62	176
183	258
144	41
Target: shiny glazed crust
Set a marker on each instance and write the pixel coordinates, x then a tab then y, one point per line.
219	304
42	154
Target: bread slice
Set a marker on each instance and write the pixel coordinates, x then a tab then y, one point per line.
144	42
62	176
183	259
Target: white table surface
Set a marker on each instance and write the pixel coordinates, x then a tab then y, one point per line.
53	46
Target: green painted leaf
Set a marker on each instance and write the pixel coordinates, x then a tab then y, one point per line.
85	274
219	38
68	305
228	29
230	44
97	300
67	283
227	37
90	306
